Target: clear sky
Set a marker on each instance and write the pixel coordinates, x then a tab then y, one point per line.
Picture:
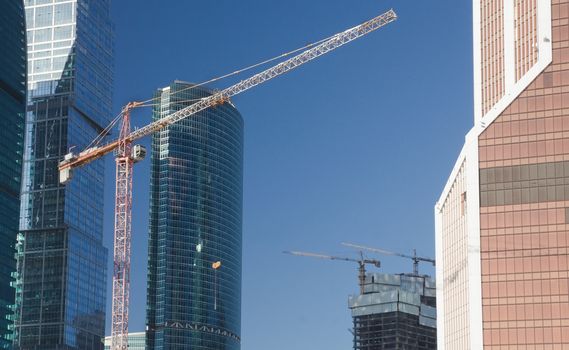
355	146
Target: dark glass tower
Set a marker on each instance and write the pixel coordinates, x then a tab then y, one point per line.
60	287
195	221
12	111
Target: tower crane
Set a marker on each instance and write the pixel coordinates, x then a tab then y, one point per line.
126	155
361	262
416	259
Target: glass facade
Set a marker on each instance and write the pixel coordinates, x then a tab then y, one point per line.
61	261
453	252
195	221
526	36
493	31
136	341
524	196
492	53
516	162
12	111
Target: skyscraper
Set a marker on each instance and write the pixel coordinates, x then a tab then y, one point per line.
194	264
502	220
395	312
60	286
12	111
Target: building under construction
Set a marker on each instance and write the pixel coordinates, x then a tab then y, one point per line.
395	312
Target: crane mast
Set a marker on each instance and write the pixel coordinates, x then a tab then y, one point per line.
122	235
127	155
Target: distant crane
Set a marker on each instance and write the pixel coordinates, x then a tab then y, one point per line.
416	259
126	155
361	262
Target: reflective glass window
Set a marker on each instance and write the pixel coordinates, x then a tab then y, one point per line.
43	16
63	13
61	33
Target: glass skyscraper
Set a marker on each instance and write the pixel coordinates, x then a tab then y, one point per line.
12	111
195	221
61	261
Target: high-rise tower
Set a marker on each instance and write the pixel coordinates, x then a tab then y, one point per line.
195	222
502	221
395	312
12	112
60	287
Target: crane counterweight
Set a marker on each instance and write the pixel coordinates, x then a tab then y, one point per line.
138	153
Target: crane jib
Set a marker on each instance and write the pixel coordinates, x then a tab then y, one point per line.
270	73
333	43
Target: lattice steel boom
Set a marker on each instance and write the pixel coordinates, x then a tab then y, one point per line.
127	155
361	263
220	97
416	259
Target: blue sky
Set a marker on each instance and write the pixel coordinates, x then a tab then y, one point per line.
355	146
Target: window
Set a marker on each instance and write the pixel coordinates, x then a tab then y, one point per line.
29	18
42	35
63	13
42	65
61	33
44	16
463	203
59	63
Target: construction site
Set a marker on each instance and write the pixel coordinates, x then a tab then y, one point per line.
127	154
391	311
350	147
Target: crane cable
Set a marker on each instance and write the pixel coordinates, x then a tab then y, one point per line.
105	131
147	103
239	71
97	141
